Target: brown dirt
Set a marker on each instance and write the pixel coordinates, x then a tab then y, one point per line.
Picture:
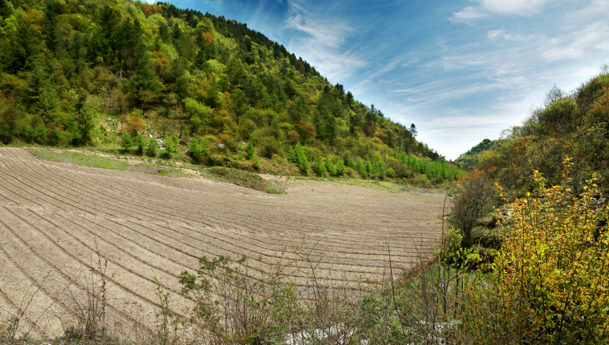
55	218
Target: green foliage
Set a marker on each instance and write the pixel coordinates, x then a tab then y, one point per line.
127	141
250	151
152	148
330	167
340	167
139	142
301	159
472	157
319	167
171	145
550	281
198	149
157	69
256	163
475	196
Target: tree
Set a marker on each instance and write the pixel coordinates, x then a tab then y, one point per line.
413	130
200	115
331	129
555	94
127	141
84	117
251	152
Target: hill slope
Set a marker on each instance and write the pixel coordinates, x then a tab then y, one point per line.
570	125
87	72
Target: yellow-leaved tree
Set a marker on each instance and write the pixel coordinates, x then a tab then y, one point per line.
550	281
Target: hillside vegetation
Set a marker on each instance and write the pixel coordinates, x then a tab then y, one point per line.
472	157
116	72
574	125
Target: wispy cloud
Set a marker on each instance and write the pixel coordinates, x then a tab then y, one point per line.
577	44
505	7
323	38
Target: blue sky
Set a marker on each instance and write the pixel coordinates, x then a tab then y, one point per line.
461	71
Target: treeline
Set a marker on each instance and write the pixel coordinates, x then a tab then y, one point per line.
84	73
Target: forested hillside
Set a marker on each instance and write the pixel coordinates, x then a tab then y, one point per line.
573	125
116	72
472	157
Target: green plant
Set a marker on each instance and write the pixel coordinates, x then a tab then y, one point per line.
340	167
139	141
127	141
198	149
550	280
152	147
474	199
168	323
330	167
319	167
256	165
232	308
250	151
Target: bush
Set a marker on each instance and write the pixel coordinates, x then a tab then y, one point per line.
171	146
330	167
139	141
127	141
550	281
250	151
152	147
269	146
198	150
390	173
340	167
319	168
301	159
474	199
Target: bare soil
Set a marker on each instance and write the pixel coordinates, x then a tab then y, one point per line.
57	219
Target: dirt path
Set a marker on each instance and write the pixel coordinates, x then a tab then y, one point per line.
58	220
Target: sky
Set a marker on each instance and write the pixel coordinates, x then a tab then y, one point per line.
460	70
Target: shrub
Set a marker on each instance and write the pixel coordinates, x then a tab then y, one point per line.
473	200
550	280
127	141
152	147
269	146
330	167
250	151
171	145
340	167
301	159
390	173
256	165
319	168
198	150
139	141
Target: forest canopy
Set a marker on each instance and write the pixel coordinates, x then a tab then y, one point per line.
83	73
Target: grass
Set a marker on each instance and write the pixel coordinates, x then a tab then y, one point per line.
245	179
91	161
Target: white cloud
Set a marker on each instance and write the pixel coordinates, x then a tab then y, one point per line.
488	7
322	41
578	43
495	33
468	14
518	7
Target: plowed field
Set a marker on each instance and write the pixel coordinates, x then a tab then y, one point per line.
57	220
